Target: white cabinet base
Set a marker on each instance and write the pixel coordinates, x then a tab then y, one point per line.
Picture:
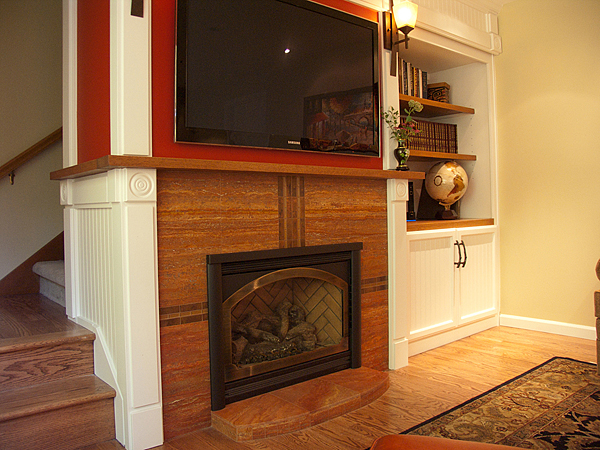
451	285
446	337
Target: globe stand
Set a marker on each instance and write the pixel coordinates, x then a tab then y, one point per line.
447	213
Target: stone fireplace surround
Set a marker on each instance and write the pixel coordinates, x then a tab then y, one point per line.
189	208
210	212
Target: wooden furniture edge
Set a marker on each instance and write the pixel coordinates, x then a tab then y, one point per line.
424	155
424	225
109	162
440	108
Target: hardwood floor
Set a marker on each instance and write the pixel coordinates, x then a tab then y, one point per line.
432	383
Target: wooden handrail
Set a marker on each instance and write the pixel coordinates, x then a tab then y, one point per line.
12	165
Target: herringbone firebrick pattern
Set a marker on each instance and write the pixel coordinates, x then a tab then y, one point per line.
322	302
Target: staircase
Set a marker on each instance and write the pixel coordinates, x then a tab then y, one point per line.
52	280
49	395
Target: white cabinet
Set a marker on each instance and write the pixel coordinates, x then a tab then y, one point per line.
451	280
476	274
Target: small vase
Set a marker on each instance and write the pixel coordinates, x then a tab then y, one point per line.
401	153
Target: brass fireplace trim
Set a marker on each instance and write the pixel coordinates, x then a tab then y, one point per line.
235	372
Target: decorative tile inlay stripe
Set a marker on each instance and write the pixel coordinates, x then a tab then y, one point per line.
181	314
374	284
291	212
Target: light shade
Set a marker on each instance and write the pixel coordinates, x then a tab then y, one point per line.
405	14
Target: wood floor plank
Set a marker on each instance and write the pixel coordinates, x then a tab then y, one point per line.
30	315
109	445
432	383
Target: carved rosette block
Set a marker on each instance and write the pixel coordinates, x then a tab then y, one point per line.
140	185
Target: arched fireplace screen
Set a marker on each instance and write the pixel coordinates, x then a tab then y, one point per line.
279	317
293	314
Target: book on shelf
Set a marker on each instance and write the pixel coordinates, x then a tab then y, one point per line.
434	137
413	80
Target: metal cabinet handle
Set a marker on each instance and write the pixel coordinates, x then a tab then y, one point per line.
465	252
457	264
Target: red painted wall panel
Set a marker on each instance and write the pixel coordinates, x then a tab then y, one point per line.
163	91
93	80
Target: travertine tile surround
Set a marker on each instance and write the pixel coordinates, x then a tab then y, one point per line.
203	212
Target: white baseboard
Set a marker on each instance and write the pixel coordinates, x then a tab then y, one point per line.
548	326
445	337
146	428
399	354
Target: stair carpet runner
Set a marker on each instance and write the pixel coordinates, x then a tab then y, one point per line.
49	395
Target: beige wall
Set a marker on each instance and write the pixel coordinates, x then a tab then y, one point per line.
30	109
548	100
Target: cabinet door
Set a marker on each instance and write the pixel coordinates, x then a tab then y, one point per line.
476	278
431	294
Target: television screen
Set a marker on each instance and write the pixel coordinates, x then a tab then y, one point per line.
283	74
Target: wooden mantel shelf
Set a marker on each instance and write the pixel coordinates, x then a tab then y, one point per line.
425	225
109	162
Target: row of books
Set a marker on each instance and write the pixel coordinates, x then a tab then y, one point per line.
413	81
434	137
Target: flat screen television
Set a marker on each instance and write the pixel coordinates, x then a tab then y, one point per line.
281	74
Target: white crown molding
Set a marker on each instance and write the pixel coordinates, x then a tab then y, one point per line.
485	6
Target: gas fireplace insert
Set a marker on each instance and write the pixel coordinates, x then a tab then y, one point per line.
280	317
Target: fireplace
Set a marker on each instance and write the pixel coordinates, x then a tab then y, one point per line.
280	317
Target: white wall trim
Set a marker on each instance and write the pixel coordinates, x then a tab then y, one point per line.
69	83
130	80
548	326
112	288
448	336
397	196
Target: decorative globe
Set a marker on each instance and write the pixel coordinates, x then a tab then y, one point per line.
446	182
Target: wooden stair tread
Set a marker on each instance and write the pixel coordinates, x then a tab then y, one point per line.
42	340
30	315
23	401
50	398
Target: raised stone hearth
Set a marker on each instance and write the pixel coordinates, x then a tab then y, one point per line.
300	406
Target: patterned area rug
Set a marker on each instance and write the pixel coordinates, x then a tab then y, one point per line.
555	405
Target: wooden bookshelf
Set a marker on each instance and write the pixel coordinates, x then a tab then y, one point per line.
423	155
432	108
423	225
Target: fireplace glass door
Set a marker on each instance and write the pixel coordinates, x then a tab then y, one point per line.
284	318
279	317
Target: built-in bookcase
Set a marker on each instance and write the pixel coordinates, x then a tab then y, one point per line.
469	77
423	265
